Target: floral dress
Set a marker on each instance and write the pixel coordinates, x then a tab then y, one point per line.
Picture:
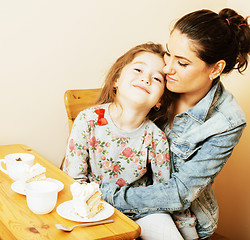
98	151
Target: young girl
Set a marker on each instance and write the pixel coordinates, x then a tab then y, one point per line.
116	141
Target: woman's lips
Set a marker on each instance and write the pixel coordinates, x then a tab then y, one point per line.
170	79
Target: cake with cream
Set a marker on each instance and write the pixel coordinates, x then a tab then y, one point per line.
86	199
35	173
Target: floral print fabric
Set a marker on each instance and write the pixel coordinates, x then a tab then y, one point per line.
103	153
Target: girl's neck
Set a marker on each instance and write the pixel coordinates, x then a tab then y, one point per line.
126	118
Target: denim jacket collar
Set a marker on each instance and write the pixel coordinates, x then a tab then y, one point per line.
200	110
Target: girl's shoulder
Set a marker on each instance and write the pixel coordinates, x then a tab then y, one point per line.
153	129
93	112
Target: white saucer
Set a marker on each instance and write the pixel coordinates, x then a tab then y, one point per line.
18	187
67	211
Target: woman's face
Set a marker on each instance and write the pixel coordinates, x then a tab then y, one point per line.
185	72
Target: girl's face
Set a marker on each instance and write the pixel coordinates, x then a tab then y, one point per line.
142	82
185	72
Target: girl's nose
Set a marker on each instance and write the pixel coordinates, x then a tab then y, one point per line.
146	80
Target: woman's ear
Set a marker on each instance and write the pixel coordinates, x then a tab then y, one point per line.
217	69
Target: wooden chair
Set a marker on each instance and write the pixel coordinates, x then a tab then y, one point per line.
77	100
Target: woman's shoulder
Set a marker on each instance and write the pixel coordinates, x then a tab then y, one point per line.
230	109
220	109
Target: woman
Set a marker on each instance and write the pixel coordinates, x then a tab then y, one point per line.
206	121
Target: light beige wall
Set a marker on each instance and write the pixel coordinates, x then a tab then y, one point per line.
232	184
49	46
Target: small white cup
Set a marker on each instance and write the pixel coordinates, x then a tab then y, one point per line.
17	164
41	196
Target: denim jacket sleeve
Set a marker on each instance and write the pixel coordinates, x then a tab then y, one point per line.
184	186
200	148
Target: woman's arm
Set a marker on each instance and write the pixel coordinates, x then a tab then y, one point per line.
184	186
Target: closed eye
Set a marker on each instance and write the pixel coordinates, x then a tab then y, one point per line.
182	64
138	70
180	59
167	53
157	79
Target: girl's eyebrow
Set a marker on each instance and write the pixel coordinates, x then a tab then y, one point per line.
179	57
160	72
163	75
139	63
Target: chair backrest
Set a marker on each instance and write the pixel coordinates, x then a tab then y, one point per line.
78	100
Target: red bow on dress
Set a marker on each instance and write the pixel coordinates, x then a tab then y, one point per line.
101	120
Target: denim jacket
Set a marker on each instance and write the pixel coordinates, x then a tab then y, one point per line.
201	141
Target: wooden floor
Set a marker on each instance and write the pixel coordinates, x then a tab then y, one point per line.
217	236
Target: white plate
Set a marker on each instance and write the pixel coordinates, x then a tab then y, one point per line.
18	187
67	211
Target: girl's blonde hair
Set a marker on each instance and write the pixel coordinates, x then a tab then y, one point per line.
108	93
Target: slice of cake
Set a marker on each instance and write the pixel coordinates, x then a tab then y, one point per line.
86	199
36	173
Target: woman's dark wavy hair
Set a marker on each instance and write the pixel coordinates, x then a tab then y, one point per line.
224	36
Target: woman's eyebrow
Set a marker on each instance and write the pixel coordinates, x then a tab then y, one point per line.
179	57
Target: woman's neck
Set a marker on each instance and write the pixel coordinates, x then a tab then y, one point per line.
183	104
186	101
126	118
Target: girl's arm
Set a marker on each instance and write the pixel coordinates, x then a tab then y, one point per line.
76	160
160	163
184	186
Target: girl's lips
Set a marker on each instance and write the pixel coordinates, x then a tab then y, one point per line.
170	79
142	88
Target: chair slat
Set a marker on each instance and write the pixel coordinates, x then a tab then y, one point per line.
78	100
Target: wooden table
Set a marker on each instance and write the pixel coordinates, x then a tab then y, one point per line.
18	222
